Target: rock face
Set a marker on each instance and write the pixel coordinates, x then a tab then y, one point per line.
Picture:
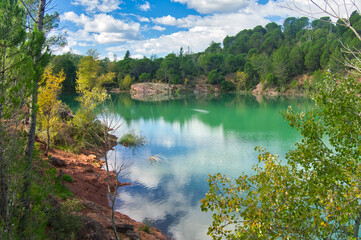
154	88
163	91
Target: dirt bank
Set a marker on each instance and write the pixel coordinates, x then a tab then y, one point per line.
89	186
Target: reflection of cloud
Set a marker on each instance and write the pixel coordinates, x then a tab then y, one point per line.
169	193
193	225
141	207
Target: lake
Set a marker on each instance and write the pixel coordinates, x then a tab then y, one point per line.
194	136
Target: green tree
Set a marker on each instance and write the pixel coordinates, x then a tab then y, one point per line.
316	194
281	65
90	82
214	77
12	35
296	60
312	58
145	77
126	83
240	80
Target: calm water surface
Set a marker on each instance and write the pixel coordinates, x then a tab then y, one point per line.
195	137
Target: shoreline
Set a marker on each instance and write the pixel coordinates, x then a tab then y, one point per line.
148	90
89	186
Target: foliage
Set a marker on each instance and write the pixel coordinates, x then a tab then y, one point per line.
132	139
228	86
67	178
126	83
240	80
49	90
90	82
63	223
145	77
316	194
215	77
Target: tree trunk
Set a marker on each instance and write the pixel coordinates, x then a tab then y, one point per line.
3	183
32	128
356	228
48	141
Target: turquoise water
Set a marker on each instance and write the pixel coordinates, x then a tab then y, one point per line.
194	137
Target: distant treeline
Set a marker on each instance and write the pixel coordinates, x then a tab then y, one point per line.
273	54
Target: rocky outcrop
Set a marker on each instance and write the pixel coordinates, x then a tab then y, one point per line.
163	91
154	88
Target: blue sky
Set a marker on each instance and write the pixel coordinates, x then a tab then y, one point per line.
158	27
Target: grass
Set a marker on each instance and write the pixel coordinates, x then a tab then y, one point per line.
146	226
132	139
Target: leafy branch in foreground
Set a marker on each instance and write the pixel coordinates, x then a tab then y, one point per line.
316	194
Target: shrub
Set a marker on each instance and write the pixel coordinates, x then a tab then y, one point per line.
228	86
131	139
145	77
126	83
214	77
62	223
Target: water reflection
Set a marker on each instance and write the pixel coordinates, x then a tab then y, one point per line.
197	137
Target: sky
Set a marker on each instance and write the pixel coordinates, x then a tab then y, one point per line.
159	27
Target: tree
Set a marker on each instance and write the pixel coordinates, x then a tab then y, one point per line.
214	77
214	48
49	90
90	82
126	83
281	65
12	85
316	193
66	63
296	61
240	80
312	58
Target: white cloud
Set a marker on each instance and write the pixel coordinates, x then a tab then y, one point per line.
111	37
145	7
83	44
166	20
210	6
100	23
196	38
104	28
201	31
158	28
98	5
143	19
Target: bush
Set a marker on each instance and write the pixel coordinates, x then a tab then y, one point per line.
270	78
145	77
67	178
294	84
126	83
228	86
62	223
131	139
214	77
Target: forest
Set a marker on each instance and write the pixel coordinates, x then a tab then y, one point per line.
272	54
33	121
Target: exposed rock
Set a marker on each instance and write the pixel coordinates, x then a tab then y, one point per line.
57	162
91	229
133	235
163	91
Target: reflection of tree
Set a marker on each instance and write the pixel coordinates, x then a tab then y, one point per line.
231	111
